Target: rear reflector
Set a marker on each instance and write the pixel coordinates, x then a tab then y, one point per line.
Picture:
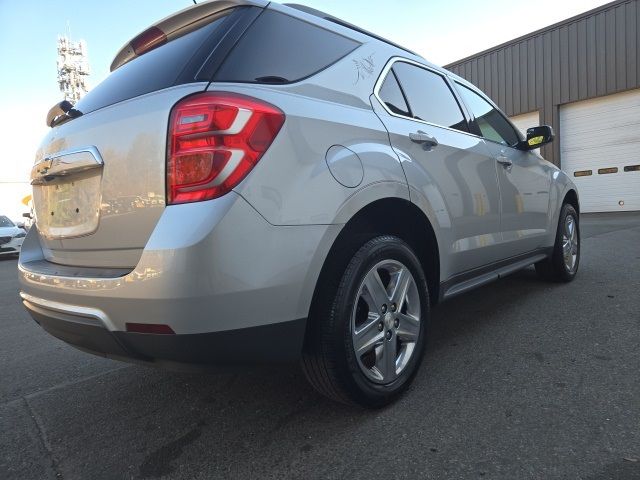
148	40
156	328
215	139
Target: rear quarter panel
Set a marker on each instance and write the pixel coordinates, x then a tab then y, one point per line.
292	184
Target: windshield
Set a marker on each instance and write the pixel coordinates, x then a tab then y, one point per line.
5	222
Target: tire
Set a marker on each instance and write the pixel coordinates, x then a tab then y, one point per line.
559	268
346	315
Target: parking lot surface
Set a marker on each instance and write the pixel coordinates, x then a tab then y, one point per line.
521	380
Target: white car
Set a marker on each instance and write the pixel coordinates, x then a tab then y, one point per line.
11	237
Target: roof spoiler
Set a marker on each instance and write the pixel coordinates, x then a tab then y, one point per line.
174	26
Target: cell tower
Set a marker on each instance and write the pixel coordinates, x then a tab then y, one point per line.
73	68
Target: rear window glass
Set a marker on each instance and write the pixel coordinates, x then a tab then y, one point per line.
152	71
5	222
282	49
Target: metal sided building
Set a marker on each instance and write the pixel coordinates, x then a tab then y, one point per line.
582	77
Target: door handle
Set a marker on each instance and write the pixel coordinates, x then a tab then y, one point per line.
423	138
504	161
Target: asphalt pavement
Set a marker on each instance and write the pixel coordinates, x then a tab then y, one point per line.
521	380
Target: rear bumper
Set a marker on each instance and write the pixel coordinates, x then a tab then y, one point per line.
233	288
274	343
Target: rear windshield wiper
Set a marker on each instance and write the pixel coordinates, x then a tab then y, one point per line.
62	112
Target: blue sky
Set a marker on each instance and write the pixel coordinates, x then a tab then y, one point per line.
442	31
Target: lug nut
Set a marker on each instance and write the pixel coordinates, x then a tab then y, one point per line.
389	335
384	308
380	326
393	307
396	323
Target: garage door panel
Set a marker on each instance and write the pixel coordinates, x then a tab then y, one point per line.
602	156
602	139
614	132
604	105
603	133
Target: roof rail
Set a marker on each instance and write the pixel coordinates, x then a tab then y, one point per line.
331	18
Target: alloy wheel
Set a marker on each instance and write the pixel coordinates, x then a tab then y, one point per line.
385	323
570	244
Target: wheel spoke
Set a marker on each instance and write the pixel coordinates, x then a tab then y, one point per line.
409	328
386	364
366	337
566	247
376	289
569	227
399	294
376	371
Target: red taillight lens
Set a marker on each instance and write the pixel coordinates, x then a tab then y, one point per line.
215	139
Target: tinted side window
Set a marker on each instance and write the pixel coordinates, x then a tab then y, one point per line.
429	96
155	70
489	120
391	95
278	48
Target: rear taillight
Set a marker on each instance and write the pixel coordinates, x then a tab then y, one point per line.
215	139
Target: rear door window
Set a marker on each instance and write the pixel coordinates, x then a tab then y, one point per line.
157	69
278	48
489	120
430	98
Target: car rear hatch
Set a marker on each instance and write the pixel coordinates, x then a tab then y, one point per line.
99	177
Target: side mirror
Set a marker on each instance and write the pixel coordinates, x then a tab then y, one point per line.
537	137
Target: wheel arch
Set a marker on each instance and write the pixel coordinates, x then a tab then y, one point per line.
387	216
571	197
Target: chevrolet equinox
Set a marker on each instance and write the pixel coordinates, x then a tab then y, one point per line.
256	182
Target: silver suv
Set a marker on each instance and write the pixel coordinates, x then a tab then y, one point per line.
257	182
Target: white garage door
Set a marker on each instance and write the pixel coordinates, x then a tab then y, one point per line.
600	150
526	120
